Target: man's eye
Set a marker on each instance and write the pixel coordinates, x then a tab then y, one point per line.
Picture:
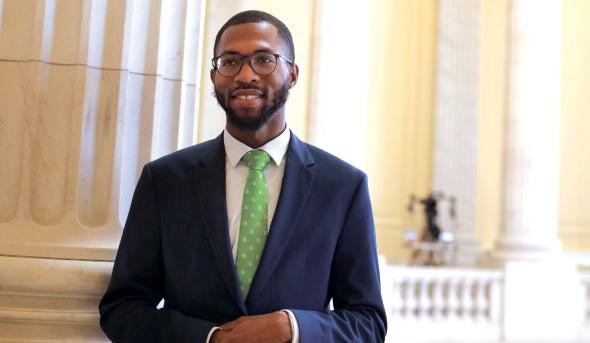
263	59
228	62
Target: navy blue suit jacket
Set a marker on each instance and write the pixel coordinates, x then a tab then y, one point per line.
175	245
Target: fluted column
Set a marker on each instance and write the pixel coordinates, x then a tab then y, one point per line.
456	121
90	91
528	245
531	173
338	117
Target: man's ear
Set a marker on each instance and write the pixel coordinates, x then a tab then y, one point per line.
212	75
293	75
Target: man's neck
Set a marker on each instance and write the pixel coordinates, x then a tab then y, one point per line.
255	139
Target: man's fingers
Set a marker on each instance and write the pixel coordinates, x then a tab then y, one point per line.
232	324
271	327
228	326
241	320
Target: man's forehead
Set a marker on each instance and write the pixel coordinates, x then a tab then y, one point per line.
250	37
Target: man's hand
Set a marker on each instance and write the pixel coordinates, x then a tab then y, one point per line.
273	327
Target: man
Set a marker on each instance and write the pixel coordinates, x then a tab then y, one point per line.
249	236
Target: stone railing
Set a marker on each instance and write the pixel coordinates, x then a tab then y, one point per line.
439	304
443	304
582	260
585	278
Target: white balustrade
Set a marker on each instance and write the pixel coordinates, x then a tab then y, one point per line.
452	308
466	308
450	304
438	301
481	301
438	304
424	307
585	278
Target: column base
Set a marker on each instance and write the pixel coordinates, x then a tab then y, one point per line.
49	299
544	301
467	251
526	250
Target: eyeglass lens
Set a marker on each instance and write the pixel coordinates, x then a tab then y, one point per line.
261	63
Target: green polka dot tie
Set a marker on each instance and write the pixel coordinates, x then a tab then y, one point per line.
254	219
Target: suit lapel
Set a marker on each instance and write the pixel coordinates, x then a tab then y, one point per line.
210	190
296	184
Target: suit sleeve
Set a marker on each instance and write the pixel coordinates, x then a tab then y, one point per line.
128	310
358	315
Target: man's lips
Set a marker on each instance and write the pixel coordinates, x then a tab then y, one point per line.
249	93
247	97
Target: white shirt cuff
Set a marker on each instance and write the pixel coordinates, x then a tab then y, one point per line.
215	328
294	326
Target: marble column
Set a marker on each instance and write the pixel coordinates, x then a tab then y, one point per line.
90	91
528	245
531	164
338	118
456	122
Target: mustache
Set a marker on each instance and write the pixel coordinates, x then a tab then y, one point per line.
245	86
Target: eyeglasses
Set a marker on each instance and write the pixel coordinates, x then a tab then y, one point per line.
262	63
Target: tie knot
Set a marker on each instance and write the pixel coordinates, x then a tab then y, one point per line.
256	159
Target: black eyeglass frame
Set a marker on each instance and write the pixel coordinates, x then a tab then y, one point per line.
249	57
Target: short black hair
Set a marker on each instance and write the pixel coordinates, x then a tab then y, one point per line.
253	16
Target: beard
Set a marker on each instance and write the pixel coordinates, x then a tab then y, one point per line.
266	112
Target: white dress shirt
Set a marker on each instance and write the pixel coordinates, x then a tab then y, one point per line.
236	173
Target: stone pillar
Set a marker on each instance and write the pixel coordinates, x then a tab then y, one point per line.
90	91
531	172
456	121
338	116
528	245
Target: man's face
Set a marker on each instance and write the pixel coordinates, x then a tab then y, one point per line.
250	100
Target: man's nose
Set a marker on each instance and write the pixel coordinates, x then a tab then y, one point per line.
246	74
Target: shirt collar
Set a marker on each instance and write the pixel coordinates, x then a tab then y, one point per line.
276	148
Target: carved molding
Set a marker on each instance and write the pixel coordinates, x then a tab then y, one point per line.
51	298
